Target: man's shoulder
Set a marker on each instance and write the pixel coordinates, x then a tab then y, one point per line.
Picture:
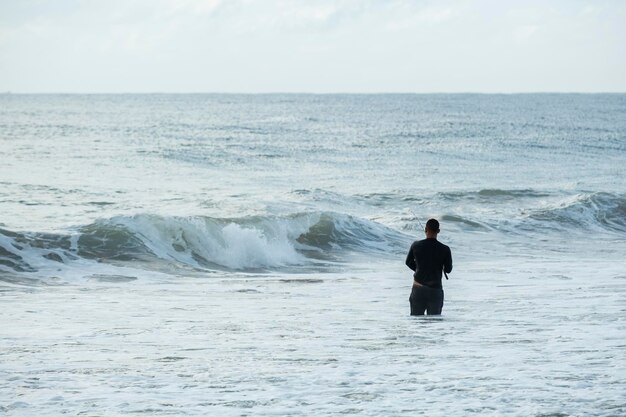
443	245
415	245
435	242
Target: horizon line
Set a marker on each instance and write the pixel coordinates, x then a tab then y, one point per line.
9	92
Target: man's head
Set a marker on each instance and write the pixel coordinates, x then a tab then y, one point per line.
432	228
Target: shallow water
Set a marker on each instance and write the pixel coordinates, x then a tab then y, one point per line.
344	344
243	255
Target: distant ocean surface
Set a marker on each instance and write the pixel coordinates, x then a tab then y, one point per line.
211	254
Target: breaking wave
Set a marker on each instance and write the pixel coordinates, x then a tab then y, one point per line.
588	211
265	243
601	212
201	242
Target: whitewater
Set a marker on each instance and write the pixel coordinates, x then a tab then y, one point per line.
210	254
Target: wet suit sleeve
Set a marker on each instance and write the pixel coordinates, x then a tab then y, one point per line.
447	264
410	259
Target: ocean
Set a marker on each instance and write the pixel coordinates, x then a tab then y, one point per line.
243	255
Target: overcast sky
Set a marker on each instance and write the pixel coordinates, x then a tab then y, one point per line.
312	46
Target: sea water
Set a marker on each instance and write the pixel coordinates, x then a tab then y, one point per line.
198	255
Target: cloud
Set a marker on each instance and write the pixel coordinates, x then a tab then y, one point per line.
524	32
302	45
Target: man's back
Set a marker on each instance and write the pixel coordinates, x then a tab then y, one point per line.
428	257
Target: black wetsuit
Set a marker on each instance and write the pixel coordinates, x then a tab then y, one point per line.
428	258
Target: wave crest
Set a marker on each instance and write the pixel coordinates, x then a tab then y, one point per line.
258	242
584	211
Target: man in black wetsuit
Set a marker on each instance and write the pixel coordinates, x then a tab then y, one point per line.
428	258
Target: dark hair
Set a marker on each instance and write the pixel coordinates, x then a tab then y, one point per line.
433	225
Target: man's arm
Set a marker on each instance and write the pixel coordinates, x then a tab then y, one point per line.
410	259
447	265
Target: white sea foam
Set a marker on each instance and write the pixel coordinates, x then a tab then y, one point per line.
236	246
512	341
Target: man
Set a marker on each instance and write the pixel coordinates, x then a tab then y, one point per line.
428	258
